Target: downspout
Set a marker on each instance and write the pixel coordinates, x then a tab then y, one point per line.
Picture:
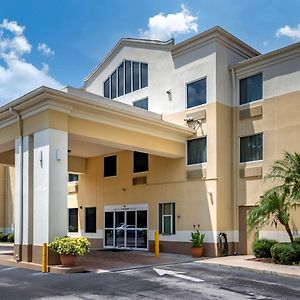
234	162
20	133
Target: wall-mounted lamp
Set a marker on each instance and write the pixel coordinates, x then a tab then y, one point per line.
41	158
57	155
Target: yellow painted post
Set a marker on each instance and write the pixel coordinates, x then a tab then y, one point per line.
156	244
44	258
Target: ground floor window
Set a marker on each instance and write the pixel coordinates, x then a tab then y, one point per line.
167	218
90	219
73	220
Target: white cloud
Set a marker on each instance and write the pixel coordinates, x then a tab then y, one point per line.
290	32
18	76
45	49
163	27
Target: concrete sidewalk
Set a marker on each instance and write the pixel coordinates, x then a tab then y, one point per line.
245	262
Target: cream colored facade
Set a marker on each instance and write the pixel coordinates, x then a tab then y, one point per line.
73	130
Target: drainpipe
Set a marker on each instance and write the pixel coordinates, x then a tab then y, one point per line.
234	161
20	133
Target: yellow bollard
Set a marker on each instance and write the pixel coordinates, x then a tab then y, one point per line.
156	244
44	258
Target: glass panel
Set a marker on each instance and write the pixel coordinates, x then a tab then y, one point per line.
160	208
107	88
251	88
130	219
90	219
110	166
196	151
120	219
141	239
130	238
136	76
109	219
167	224
251	148
73	220
144	75
196	93
141	219
167	209
121	80
113	93
127	77
140	162
109	238
120	238
73	177
141	104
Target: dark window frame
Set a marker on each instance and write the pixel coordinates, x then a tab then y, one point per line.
261	153
188	84
107	173
70	220
137	168
161	215
73	175
244	97
187	151
88	227
136	103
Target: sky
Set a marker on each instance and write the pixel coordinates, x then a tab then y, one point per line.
57	43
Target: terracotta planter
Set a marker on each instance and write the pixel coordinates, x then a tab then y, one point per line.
68	260
197	251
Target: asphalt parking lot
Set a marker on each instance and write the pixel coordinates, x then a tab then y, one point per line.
174	281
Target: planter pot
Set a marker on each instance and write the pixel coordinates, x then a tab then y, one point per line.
197	251
68	260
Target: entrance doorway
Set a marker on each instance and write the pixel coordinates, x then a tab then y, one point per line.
126	227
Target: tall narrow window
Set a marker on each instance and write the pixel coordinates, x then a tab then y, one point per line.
90	219
107	88
121	80
113	92
251	148
140	162
136	75
110	166
197	151
141	103
251	88
196	93
127	76
144	75
73	220
166	218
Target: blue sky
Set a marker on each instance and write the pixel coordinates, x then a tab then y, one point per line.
60	42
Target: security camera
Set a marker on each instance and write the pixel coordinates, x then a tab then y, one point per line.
188	119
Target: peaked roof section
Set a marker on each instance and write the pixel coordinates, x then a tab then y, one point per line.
201	38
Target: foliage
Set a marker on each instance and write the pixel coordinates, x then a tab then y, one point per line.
297	240
3	237
70	245
197	238
283	253
262	248
10	238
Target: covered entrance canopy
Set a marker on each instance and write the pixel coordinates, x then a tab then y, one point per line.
48	133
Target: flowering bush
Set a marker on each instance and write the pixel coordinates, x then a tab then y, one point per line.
70	245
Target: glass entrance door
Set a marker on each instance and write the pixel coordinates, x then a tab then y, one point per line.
126	228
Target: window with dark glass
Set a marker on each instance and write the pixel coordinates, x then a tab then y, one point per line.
251	88
251	148
121	80
73	177
127	76
73	220
90	219
140	162
110	166
136	75
197	151
166	218
144	75
107	88
113	79
141	103
196	93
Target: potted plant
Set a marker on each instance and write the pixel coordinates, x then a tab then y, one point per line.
197	243
69	248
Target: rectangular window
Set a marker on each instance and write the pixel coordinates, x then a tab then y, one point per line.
251	88
110	166
73	220
113	92
141	103
166	218
73	177
197	151
140	162
127	76
90	219
136	75
196	93
107	88
251	148
144	75
121	80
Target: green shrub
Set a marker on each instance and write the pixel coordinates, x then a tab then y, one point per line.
70	245
296	246
283	253
10	238
297	240
3	237
262	248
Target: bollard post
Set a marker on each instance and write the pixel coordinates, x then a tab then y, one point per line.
156	244
44	258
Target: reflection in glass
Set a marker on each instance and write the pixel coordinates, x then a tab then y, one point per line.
109	238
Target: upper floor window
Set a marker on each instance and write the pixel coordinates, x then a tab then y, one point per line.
251	148
140	162
130	76
196	93
251	88
110	166
197	151
73	177
141	103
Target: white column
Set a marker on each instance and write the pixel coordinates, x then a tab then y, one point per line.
50	185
